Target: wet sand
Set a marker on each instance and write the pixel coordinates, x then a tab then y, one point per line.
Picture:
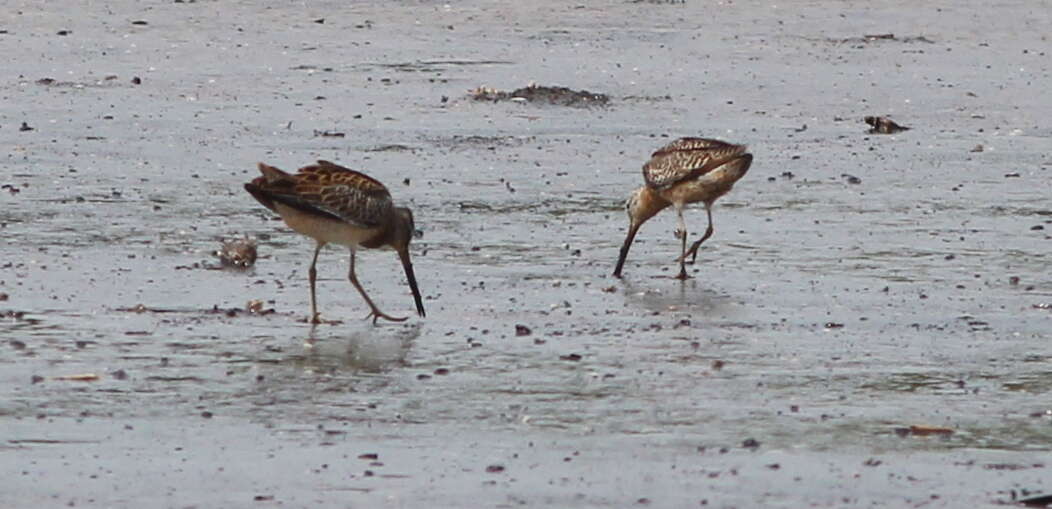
857	284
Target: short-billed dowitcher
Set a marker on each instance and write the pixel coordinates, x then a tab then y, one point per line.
337	205
688	170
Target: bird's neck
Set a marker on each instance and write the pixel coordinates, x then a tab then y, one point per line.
648	204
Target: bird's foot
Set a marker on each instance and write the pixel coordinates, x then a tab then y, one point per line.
683	275
376	314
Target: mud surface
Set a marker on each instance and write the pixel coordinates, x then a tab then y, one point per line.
857	285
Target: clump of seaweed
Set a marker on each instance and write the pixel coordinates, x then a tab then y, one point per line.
542	94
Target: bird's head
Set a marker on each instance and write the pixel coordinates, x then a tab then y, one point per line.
643	204
403	230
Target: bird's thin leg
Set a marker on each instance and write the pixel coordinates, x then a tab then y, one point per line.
375	312
681	232
312	275
693	251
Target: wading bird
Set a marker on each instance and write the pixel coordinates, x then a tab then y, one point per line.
337	205
688	170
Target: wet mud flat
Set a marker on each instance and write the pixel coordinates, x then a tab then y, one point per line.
869	325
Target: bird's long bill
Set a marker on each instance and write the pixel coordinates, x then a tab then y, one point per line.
408	266
632	229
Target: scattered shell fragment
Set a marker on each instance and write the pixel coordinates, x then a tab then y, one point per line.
83	377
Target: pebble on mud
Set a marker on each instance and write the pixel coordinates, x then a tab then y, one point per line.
25	127
574	357
522	330
369	456
751	443
495	469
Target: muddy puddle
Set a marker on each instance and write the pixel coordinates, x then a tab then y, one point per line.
869	325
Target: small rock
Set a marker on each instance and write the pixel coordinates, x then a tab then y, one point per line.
522	330
495	469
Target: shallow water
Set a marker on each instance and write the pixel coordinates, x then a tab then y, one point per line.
823	318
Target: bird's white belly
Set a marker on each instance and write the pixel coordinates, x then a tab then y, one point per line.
323	229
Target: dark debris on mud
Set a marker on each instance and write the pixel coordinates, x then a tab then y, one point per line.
542	94
883	125
876	38
239	253
111	80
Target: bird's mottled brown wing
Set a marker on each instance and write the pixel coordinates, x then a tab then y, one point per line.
328	190
352	196
687	158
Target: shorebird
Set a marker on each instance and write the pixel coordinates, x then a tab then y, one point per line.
337	205
688	170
